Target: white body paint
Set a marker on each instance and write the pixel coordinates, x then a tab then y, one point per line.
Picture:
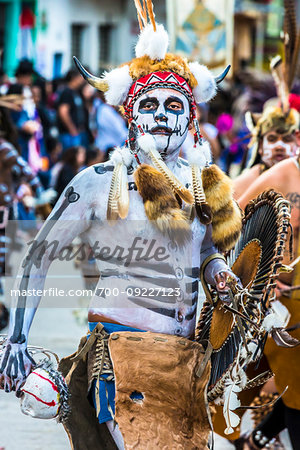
85	214
93	189
121	308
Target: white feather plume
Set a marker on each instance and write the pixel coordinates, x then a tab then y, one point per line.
121	155
249	121
243	353
147	143
119	82
219	401
116	156
278	317
200	155
231	402
123	194
152	43
118	199
127	156
243	378
206	88
252	346
281	311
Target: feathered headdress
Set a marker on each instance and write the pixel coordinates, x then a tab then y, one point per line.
153	66
161	191
283	71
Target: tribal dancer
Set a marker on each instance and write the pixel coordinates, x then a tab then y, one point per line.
156	240
275	132
276	136
284	177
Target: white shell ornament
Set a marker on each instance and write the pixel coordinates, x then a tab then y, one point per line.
45	395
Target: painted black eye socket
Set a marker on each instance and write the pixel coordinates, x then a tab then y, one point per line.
272	138
149	106
175	106
288	138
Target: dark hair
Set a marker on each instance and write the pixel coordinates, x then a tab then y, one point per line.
69	156
4	316
71	74
8	129
57	83
91	154
51	143
203	111
41	84
101	95
15	89
25	67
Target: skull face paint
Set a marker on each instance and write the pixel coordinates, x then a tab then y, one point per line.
165	113
276	147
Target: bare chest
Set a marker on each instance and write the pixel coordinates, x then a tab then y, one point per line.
293	196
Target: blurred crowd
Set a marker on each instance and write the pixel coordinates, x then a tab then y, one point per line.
61	126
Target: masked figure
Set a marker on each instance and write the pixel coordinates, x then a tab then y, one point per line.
278	131
153	221
275	135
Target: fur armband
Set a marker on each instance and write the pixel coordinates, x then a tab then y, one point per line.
226	214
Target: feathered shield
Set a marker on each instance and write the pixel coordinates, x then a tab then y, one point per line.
236	332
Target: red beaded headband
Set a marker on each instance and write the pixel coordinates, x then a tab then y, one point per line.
156	80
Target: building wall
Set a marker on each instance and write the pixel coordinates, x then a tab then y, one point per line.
10	32
55	20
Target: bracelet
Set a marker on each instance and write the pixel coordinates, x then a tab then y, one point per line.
202	270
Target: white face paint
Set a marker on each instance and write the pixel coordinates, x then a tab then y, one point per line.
276	147
165	113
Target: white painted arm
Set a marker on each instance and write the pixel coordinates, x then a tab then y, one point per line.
217	266
69	218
